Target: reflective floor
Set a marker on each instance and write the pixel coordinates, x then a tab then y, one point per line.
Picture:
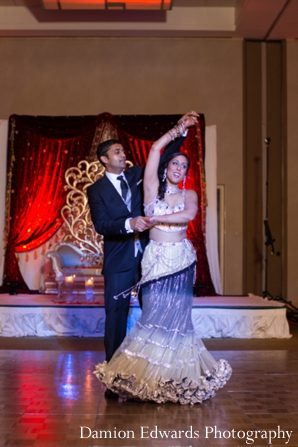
50	398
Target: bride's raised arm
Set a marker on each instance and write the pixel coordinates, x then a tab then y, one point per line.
151	181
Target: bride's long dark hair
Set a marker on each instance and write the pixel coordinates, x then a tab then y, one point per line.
161	169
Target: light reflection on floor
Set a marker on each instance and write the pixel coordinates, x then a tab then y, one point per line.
47	396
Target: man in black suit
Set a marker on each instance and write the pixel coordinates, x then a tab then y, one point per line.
117	213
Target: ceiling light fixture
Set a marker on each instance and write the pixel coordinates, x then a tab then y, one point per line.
109	4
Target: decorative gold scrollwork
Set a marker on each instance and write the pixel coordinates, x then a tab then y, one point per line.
76	213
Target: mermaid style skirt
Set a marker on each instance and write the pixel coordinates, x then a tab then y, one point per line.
162	359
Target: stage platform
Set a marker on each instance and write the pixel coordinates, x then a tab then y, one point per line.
214	317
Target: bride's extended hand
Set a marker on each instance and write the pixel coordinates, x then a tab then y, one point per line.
189	119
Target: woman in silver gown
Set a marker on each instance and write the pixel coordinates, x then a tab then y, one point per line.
162	359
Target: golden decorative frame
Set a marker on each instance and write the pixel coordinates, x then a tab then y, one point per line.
76	212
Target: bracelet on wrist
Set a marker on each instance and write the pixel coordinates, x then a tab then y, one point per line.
177	130
173	133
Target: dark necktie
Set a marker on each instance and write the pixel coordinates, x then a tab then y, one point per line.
124	187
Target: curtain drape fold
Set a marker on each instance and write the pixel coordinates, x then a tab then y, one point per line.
40	150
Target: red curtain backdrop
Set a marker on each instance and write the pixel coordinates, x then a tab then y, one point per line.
41	149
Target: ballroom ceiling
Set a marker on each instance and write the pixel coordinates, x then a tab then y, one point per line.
240	19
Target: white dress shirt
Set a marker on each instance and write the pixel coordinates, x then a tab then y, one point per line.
116	183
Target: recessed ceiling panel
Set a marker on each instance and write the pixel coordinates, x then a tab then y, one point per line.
108	4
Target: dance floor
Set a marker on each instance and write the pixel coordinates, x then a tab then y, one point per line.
51	398
214	317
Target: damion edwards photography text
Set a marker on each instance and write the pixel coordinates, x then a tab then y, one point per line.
209	432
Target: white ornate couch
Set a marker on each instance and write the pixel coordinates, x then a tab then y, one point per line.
80	254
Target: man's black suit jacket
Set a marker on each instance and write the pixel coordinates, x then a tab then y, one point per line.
109	213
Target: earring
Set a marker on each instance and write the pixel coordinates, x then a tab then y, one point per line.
183	183
164	175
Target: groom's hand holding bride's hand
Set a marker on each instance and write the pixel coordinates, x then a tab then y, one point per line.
189	119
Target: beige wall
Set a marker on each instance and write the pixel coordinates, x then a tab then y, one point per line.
70	76
292	177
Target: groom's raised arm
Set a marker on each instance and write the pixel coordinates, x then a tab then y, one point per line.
171	148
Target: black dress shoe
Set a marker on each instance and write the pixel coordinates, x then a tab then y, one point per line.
110	394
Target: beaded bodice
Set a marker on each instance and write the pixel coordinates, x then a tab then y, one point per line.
159	208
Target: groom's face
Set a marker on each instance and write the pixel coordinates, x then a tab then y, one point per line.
115	159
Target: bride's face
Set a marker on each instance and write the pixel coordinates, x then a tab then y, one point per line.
177	169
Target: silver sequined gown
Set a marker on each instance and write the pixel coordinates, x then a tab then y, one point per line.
162	359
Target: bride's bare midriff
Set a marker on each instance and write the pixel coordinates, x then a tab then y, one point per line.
162	236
